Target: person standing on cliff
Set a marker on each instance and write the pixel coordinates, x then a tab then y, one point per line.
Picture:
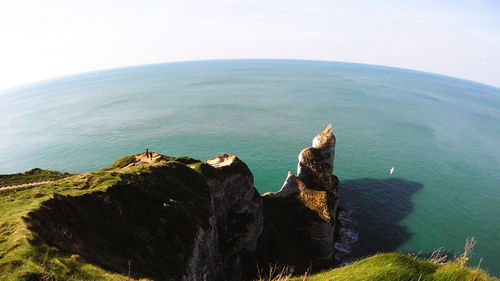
147	153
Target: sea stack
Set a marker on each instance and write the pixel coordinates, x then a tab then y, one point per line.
299	219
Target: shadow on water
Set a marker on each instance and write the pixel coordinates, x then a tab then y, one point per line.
376	207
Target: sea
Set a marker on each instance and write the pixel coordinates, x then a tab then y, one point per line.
441	134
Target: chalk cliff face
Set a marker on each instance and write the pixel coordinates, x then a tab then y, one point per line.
299	219
159	219
177	218
238	209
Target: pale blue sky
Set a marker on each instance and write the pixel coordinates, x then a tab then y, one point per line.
42	39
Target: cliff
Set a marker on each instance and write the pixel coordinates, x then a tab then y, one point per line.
178	218
299	219
169	218
238	210
163	218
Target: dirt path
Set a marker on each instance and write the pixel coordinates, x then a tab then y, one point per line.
142	159
23	185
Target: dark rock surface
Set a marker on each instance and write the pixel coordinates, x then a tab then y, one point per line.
183	219
172	222
299	219
160	220
238	209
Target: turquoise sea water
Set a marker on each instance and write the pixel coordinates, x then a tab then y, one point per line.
442	135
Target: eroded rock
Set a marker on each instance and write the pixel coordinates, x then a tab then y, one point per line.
178	218
299	219
239	213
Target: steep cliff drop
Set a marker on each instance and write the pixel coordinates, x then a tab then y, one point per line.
178	218
299	219
238	210
175	219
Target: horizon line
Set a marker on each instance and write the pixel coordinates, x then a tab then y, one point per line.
32	83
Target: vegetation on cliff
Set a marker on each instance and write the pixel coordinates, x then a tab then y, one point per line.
142	218
137	220
33	175
122	162
89	226
390	267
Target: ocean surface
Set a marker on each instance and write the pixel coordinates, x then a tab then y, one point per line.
441	134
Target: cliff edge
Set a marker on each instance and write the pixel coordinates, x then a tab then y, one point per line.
158	217
171	218
166	218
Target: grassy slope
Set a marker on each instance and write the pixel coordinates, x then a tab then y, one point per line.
22	260
33	175
18	258
395	266
122	162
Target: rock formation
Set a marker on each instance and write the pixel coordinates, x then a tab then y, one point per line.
238	209
160	219
299	219
177	218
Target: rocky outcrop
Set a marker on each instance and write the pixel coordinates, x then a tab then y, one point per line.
177	218
238	209
227	249
290	187
299	219
157	223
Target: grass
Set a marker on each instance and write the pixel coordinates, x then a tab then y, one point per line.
44	228
395	266
122	162
19	259
33	175
100	225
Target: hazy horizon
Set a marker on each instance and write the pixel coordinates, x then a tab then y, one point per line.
50	39
69	75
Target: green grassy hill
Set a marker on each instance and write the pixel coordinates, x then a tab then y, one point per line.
87	227
394	266
33	175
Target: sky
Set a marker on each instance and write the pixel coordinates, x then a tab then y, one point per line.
41	39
